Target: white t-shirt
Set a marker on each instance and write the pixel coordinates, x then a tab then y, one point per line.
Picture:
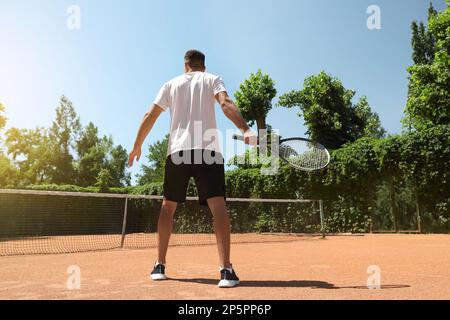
191	100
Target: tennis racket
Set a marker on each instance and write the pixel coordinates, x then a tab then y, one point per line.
300	153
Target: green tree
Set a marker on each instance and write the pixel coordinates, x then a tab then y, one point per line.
2	116
92	161
423	41
92	152
63	133
328	112
96	154
429	82
254	98
88	139
8	172
31	151
2	125
117	165
154	171
366	122
104	180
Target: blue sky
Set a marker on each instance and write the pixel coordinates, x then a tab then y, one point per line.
114	65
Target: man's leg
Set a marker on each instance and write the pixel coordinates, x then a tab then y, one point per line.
222	229
165	225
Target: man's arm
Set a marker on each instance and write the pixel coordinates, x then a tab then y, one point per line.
146	126
231	111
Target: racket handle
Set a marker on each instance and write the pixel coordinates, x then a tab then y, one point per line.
241	138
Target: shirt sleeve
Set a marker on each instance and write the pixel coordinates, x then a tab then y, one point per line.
163	97
218	85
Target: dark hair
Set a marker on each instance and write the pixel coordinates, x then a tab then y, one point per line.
195	59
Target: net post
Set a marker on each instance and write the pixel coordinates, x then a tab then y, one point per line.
124	224
419	221
416	196
322	222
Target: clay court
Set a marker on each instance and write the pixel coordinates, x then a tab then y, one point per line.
412	267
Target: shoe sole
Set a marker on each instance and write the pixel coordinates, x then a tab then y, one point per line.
158	277
228	283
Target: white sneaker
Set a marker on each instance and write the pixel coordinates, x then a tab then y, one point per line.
228	279
159	272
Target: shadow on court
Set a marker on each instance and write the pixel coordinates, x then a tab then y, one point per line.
391	286
286	284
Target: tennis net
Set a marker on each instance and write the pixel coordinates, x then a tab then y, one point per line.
51	222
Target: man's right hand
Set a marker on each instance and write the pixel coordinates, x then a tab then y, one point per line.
136	153
251	138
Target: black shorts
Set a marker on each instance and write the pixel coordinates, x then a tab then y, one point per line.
205	166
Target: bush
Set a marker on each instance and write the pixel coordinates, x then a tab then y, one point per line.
371	181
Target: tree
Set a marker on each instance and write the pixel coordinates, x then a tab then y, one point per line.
92	152
431	10
92	161
2	117
45	155
31	150
429	82
254	99
88	139
63	133
8	173
367	123
116	165
96	154
331	118
2	124
104	180
157	155
423	42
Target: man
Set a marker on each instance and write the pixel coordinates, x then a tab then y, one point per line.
194	151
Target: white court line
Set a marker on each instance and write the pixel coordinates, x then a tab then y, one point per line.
419	275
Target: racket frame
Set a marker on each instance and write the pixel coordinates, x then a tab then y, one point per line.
281	141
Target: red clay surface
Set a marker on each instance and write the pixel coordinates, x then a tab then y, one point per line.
412	267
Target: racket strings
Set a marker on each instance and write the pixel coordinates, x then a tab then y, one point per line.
304	155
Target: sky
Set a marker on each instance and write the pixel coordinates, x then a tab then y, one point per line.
112	67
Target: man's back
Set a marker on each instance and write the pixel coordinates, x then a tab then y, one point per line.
191	100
